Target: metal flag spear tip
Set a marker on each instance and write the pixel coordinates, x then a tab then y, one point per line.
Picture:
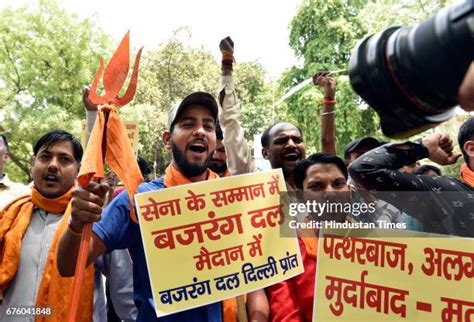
108	143
338	71
115	75
303	84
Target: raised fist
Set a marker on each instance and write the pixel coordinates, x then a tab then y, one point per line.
227	46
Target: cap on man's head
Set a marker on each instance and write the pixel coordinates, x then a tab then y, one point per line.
367	141
196	98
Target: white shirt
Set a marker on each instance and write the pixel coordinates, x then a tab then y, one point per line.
10	190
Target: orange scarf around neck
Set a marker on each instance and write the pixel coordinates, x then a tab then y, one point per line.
467	175
173	177
53	289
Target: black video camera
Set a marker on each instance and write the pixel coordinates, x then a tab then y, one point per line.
411	75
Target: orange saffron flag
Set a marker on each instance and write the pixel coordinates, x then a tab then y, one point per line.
108	140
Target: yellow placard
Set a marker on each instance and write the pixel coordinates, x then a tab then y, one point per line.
132	130
382	277
213	240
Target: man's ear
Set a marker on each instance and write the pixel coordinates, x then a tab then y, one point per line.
469	149
166	138
265	153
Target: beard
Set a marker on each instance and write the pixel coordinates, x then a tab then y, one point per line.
187	169
219	169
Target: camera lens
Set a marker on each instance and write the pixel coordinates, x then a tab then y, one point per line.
411	75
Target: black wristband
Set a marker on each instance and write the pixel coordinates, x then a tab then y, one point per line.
420	150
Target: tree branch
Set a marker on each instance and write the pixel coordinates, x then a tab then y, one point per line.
10	58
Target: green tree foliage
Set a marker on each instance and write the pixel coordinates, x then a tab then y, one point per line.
46	57
255	97
379	15
322	35
323	32
175	70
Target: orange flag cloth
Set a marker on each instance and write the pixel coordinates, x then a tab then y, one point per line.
467	175
118	154
15	219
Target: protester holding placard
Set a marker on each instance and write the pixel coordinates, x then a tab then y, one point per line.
190	136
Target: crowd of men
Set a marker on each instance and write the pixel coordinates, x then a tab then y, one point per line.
41	225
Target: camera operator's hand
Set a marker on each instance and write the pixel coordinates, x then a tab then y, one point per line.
86	204
87	102
327	83
466	91
440	147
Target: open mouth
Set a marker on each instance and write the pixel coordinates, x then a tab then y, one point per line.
292	156
51	178
198	147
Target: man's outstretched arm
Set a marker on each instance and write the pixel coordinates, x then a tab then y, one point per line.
328	114
86	207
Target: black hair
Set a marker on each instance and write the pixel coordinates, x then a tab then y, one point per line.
466	133
427	167
219	134
4	138
55	136
265	139
299	174
144	167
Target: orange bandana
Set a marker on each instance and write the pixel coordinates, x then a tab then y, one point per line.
53	289
173	177
467	175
